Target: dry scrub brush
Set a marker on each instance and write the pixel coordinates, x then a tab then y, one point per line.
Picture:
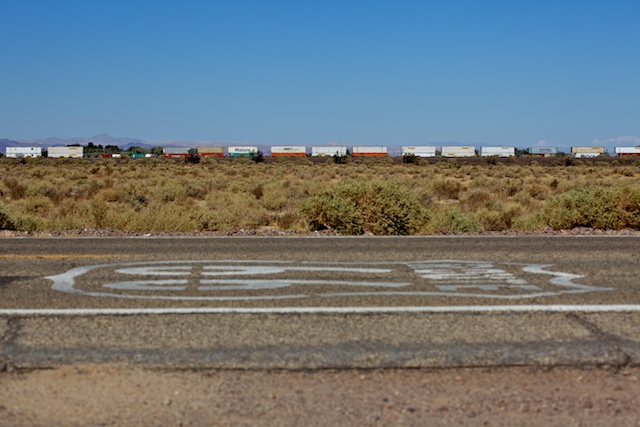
372	197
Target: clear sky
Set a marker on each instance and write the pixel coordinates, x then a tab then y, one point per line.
377	72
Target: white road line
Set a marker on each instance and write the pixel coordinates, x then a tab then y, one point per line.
326	310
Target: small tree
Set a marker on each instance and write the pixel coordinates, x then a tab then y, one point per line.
156	151
339	160
193	156
258	157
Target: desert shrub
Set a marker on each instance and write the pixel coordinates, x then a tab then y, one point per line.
446	188
257	191
360	207
510	187
99	212
225	211
477	198
133	194
629	203
6	223
27	223
597	207
451	219
528	222
537	190
275	195
37	205
497	218
54	192
16	188
164	217
290	220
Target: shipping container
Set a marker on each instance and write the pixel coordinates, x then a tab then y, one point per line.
176	152
587	151
210	151
454	151
73	152
497	151
328	151
542	151
288	151
420	151
627	151
23	151
369	151
243	151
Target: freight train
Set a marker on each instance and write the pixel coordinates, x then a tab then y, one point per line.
327	151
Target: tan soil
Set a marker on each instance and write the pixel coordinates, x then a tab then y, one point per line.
109	395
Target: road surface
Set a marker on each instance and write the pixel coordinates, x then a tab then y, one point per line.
312	303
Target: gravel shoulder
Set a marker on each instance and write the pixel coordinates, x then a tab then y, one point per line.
133	396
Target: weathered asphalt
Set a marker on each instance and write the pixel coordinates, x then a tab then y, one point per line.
523	301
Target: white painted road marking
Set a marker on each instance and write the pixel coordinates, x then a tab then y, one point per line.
179	280
620	308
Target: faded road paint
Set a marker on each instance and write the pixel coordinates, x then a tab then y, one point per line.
170	280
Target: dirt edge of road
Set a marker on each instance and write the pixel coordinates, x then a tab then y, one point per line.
135	396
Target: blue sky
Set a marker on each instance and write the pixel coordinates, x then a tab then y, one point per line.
522	73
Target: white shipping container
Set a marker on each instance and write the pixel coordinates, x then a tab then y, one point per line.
369	151
544	151
420	151
634	151
328	151
497	151
242	151
23	151
176	151
75	152
589	151
289	150
210	151
452	151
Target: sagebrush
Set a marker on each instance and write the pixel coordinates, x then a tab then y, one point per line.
372	197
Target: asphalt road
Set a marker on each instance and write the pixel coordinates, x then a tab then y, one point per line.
307	303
